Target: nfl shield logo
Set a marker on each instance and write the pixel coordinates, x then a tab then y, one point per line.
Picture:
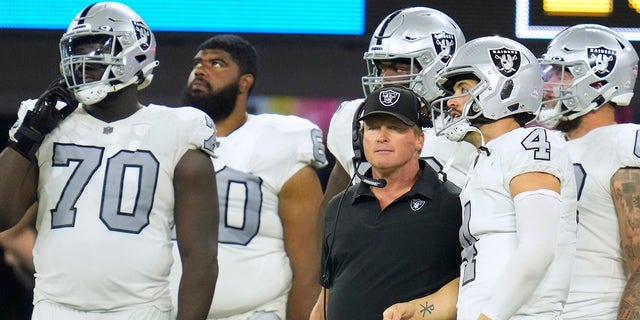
445	45
388	97
601	60
143	34
507	61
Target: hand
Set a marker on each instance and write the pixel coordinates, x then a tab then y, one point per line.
482	316
399	311
45	116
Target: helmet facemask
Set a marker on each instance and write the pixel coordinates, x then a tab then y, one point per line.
376	80
456	127
91	65
559	94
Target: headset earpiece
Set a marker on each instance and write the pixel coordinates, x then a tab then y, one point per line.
424	119
356	137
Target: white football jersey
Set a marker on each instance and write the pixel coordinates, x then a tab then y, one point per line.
253	163
105	206
488	233
598	277
437	150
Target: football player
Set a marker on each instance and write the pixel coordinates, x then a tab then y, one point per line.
407	48
519	199
111	178
598	69
268	191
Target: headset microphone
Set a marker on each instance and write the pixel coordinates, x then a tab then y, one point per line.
378	183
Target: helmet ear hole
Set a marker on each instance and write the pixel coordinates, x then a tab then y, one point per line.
507	88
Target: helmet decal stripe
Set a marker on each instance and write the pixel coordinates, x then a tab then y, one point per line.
84	12
385	24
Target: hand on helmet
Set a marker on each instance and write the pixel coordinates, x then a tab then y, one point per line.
45	116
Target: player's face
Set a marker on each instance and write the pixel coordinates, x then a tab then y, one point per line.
394	69
213	69
389	143
88	72
213	84
461	94
555	77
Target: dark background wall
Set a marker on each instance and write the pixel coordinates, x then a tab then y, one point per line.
299	66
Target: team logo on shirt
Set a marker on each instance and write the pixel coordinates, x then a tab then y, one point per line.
417	204
445	45
506	60
601	60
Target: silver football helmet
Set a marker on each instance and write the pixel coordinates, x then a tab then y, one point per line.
595	65
106	47
426	37
510	83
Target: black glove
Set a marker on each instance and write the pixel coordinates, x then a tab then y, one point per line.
44	117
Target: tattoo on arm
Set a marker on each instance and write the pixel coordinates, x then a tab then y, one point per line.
625	193
628	310
426	307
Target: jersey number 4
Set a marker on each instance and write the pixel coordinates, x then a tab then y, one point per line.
537	141
469	251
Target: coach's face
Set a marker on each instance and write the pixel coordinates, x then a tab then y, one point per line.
389	143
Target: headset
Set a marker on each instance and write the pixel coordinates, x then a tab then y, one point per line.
424	121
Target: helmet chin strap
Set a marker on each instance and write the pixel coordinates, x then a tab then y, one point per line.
550	116
93	94
472	128
482	146
459	131
442	174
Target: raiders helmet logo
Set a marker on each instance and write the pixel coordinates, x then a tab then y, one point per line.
445	45
143	34
417	204
601	60
506	60
388	97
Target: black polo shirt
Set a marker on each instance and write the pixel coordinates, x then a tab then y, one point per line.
374	259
